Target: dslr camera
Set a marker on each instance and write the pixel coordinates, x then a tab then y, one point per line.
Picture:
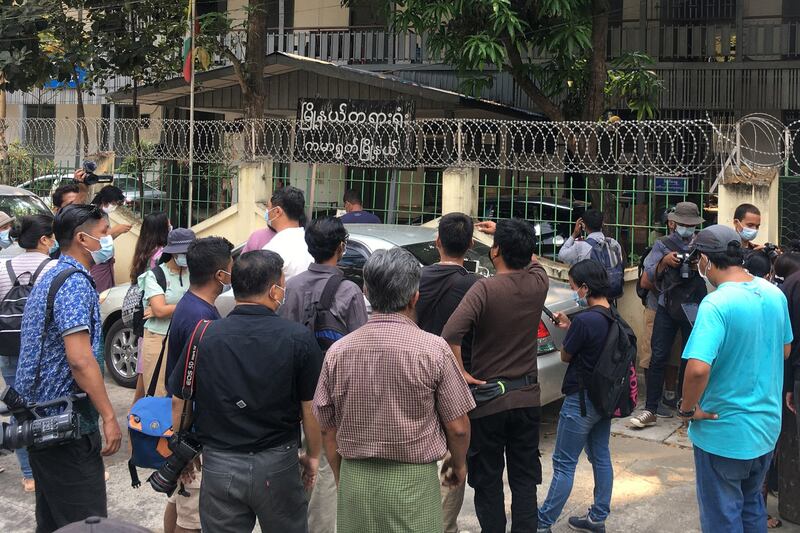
31	427
685	263
184	450
90	178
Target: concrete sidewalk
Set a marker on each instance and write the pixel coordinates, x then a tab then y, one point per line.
653	483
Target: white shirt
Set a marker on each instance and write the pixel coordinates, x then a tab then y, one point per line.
291	245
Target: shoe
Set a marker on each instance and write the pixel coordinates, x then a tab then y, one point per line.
664	411
28	485
544	530
644	419
672	403
584	523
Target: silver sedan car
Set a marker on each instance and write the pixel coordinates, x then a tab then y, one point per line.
120	343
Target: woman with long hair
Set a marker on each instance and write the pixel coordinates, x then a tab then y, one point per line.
34	234
152	239
583	345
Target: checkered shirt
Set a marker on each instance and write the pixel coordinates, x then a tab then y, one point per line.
388	388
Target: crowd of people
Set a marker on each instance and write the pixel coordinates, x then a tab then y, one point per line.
314	414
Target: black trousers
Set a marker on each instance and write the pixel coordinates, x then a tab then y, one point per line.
665	328
513	435
70	483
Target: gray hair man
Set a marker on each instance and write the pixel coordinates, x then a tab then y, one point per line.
406	406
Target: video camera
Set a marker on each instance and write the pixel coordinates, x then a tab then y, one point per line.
90	178
31	427
184	449
685	260
772	251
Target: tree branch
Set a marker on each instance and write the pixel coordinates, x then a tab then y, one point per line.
238	68
518	71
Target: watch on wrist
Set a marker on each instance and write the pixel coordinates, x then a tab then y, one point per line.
686	414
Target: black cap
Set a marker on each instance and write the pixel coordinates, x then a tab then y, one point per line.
716	239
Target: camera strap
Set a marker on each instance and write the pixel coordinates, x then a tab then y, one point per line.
151	388
190	368
55	285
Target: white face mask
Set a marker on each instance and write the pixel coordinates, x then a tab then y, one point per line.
180	260
108	209
704	272
283	298
225	286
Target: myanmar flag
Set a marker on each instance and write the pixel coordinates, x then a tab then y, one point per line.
188	54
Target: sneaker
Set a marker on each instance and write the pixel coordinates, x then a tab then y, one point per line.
664	411
586	524
672	403
644	419
542	529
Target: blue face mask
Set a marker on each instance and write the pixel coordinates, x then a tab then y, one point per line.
748	234
106	251
54	248
5	239
685	232
580	300
180	260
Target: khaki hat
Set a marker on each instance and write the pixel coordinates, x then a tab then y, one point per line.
5	219
686	213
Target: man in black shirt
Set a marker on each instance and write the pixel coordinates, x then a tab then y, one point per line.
255	379
441	288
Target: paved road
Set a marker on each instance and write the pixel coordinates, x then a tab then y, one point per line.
653	485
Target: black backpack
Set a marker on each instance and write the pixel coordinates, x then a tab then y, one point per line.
611	385
322	323
133	303
12	308
614	266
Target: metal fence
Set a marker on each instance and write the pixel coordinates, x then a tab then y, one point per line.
548	173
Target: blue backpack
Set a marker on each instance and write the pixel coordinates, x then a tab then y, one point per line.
150	426
613	264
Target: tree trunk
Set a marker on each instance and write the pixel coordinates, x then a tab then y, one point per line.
83	129
255	60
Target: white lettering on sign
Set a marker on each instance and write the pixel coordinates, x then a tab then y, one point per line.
312	118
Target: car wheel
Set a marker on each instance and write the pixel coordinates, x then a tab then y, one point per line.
121	353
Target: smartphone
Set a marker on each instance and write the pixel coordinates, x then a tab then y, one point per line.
471	266
550	315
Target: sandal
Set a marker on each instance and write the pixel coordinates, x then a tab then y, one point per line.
773	523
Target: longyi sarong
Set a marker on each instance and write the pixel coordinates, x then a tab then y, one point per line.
379	496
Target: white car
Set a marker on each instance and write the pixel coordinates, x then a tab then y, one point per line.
120	343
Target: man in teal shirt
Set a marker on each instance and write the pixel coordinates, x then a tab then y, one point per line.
732	385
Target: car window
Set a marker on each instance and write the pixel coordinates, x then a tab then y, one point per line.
18	206
427	254
353	261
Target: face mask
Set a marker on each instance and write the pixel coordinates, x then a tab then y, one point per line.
54	247
748	234
170	228
108	209
704	273
580	300
180	260
5	239
225	286
685	232
106	251
283	299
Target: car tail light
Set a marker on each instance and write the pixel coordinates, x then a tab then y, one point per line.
546	344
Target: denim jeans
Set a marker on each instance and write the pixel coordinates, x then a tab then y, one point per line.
8	365
664	330
729	492
576	433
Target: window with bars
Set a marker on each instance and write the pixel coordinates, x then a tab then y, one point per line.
697	11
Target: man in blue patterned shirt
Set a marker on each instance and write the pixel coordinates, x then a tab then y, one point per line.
66	359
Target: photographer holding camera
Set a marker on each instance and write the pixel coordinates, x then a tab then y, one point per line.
255	378
670	269
61	354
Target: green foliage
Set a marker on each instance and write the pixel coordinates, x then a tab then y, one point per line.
546	45
141	160
23	62
631	80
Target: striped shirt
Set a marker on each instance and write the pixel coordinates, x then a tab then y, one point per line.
24	265
388	388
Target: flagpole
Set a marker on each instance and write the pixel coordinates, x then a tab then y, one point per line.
191	108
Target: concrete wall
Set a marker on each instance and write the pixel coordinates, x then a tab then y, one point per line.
765	198
320	13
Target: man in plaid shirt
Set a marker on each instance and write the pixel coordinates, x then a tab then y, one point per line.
391	401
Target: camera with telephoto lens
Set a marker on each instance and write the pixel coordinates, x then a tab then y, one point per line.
90	178
772	251
184	450
32	428
685	261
